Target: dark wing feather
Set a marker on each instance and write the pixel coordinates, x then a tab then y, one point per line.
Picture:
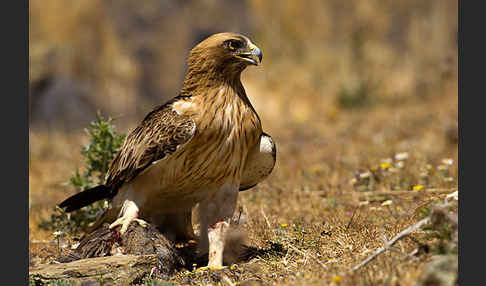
160	134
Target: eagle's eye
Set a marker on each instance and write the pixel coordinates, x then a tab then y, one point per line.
233	45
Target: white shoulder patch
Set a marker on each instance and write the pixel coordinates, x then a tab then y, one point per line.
182	107
266	145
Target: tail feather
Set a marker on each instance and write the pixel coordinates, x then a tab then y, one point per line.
85	198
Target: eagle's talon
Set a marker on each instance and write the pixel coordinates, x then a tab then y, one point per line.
125	222
141	222
211	268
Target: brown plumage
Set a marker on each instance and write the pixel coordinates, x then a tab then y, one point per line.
203	146
160	134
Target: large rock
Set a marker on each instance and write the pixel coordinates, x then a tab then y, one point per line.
117	259
441	271
111	270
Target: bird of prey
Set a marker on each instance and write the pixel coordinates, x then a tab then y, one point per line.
203	146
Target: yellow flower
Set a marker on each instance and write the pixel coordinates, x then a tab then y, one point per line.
233	267
385	165
284	225
418	187
336	279
332	260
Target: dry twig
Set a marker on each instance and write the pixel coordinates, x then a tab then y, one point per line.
389	243
266	219
379	195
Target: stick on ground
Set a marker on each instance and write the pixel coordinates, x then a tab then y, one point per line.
389	243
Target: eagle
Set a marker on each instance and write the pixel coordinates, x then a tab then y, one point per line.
202	147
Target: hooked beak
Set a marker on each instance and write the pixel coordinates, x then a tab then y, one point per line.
254	57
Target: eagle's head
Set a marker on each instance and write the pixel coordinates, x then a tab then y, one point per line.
224	53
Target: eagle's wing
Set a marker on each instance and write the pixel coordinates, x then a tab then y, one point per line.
159	135
259	163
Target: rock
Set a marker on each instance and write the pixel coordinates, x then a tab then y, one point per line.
122	260
441	271
110	270
60	102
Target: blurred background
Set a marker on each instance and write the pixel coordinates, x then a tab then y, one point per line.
359	96
123	57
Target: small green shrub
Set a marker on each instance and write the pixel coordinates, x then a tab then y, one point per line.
103	145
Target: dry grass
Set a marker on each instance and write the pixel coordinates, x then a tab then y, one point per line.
309	204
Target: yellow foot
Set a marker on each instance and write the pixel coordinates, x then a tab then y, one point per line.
211	268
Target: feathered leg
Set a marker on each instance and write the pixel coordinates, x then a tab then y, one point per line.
215	214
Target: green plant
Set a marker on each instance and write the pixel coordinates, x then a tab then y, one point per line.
103	145
98	154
